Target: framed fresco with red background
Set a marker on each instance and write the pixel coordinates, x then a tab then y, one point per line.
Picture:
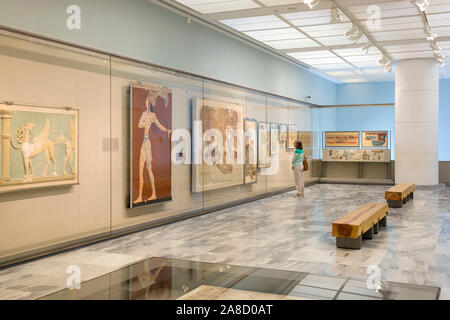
150	144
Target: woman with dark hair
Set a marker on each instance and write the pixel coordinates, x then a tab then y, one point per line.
297	166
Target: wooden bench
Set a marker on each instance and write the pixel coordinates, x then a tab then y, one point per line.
400	194
359	224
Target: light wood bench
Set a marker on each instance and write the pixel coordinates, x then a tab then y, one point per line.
400	194
359	224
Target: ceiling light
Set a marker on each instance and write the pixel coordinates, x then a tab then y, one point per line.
429	34
386	63
334	14
421	4
436	49
440	59
382	61
366	48
354	34
311	3
388	66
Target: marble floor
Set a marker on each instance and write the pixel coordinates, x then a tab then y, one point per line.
281	232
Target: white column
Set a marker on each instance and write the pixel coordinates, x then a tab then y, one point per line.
417	122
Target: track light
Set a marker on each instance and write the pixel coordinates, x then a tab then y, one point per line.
366	48
334	14
311	3
429	34
354	34
436	49
388	66
386	63
383	61
440	59
421	4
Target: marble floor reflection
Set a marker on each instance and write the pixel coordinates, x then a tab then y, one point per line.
281	232
164	278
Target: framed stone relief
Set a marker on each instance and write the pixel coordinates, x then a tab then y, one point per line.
39	147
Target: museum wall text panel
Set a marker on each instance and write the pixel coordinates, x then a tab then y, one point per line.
94	145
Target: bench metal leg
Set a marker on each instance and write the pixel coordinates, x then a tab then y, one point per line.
404	200
395	204
376	228
349	243
412	195
383	222
368	234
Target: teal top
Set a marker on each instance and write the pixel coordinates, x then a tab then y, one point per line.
297	160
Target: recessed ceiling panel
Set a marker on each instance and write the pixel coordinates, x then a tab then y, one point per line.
312	17
270	3
412	55
408	47
439	20
387	10
401	23
368	58
399	35
444	44
312	54
327	30
275	34
442	31
338	40
367	64
356	52
292	44
255	23
334	66
322	61
438	6
214	6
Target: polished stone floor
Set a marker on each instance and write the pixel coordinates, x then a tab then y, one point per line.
282	232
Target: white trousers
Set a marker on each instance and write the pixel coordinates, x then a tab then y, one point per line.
298	173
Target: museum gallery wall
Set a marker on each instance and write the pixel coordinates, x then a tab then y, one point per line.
111	125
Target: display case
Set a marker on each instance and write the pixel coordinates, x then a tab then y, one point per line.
357	157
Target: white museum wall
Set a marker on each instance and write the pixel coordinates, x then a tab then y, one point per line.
57	78
40	74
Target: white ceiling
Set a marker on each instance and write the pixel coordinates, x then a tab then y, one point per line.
292	29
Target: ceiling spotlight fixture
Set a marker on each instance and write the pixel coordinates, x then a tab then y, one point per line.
440	59
429	34
311	3
383	61
386	63
366	48
388	66
334	14
354	34
421	4
436	49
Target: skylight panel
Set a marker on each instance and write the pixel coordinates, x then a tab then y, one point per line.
255	23
399	35
292	44
312	54
271	3
214	6
275	34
